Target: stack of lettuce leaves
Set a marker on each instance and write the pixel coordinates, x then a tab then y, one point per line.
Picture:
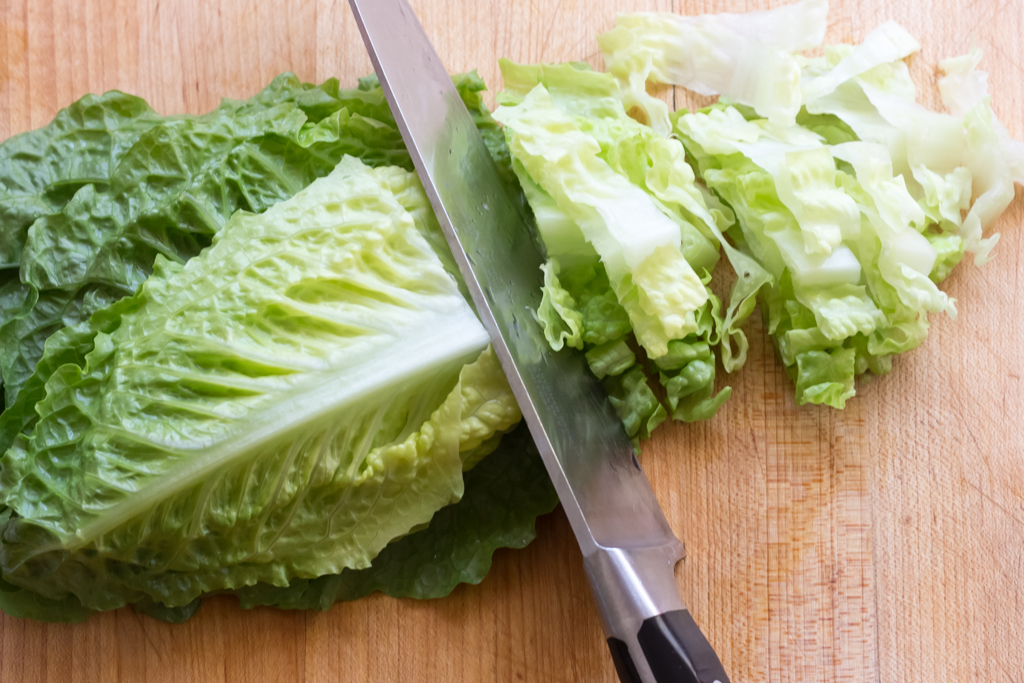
236	359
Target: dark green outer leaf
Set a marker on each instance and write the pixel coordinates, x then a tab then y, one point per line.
40	170
150	185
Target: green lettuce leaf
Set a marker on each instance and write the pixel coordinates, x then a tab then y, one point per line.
168	188
627	231
282	406
42	169
870	90
25	604
557	313
638	245
636	405
611	358
687	371
504	495
172	186
833	313
604	319
653	163
747	58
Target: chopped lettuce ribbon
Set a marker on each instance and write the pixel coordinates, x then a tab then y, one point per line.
748	58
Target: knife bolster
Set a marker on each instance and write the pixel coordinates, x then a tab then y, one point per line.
651	635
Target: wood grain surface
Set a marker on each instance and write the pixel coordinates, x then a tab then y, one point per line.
884	542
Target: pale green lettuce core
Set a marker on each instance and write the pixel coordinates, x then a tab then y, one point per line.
283	406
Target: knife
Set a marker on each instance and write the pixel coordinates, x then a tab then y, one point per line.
629	550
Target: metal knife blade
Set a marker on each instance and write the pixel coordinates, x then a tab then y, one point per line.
628	545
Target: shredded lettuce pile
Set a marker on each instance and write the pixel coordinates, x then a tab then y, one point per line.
836	197
237	359
862	209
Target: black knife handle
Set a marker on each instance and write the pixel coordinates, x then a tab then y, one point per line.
651	635
675	650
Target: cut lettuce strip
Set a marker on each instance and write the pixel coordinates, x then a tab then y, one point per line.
747	58
638	245
823	317
798	161
963	86
906	257
557	314
887	43
851	199
654	163
840	314
588	303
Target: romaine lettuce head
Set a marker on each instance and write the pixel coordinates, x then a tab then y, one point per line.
283	406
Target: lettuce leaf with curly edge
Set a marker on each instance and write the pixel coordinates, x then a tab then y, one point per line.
505	494
280	407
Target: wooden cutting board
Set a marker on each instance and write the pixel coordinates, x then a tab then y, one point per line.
884	542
